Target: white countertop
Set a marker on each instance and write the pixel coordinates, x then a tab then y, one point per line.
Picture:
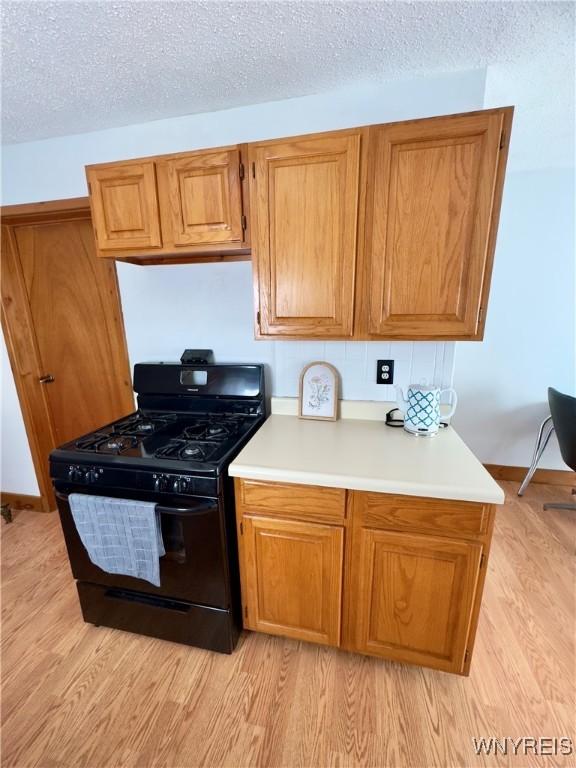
365	455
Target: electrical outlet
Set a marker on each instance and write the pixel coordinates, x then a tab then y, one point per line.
385	372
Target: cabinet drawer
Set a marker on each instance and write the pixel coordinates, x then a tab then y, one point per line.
412	513
305	502
157	616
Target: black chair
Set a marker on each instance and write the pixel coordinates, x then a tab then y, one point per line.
563	412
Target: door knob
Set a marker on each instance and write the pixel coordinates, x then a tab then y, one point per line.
48	379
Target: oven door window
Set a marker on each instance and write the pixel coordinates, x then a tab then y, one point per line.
173	538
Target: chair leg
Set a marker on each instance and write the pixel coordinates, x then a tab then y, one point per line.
546	429
6	512
560	506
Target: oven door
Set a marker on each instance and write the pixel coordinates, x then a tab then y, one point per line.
195	566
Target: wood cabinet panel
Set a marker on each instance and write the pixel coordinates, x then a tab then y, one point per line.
306	502
201	198
124	204
172	209
293	578
414	570
414	597
384	231
434	193
305	209
413	513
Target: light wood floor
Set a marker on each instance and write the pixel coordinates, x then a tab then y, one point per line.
75	695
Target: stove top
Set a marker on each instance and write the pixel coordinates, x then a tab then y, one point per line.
190	423
177	437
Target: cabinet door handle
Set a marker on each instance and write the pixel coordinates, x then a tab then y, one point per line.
48	379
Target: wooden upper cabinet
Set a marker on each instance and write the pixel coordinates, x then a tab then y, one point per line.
414	597
201	198
385	231
304	207
434	192
170	208
124	205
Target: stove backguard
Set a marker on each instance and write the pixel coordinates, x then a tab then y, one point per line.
198	386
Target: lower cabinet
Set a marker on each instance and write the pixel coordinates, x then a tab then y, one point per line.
414	597
293	578
398	577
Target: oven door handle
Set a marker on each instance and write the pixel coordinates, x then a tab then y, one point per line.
204	506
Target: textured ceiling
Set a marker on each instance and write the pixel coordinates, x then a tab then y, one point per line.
70	67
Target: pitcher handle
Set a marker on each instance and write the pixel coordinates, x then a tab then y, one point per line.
454	402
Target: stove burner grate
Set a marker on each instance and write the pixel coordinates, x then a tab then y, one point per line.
99	443
212	429
140	425
187	450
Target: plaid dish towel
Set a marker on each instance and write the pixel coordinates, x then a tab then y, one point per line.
120	535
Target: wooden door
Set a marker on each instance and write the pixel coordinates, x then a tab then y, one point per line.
124	204
202	199
304	208
434	198
414	597
63	325
292	578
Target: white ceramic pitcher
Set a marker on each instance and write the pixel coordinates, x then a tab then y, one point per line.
422	408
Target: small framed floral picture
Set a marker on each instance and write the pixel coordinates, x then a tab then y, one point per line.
318	397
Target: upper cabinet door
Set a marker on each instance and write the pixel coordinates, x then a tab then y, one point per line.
434	196
202	203
304	207
124	205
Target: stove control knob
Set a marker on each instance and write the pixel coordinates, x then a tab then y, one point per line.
180	485
75	475
161	483
91	476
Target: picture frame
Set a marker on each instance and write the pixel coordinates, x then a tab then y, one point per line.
318	392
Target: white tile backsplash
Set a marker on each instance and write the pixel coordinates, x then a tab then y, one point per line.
226	326
424	356
355	351
336	349
355	361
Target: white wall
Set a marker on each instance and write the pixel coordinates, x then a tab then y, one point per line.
54	168
529	343
530	340
171	307
16	469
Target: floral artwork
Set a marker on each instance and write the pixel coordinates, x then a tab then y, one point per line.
318	391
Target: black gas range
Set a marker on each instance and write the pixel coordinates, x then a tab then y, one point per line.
192	420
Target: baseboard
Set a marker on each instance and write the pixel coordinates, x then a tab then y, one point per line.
547	476
22	501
